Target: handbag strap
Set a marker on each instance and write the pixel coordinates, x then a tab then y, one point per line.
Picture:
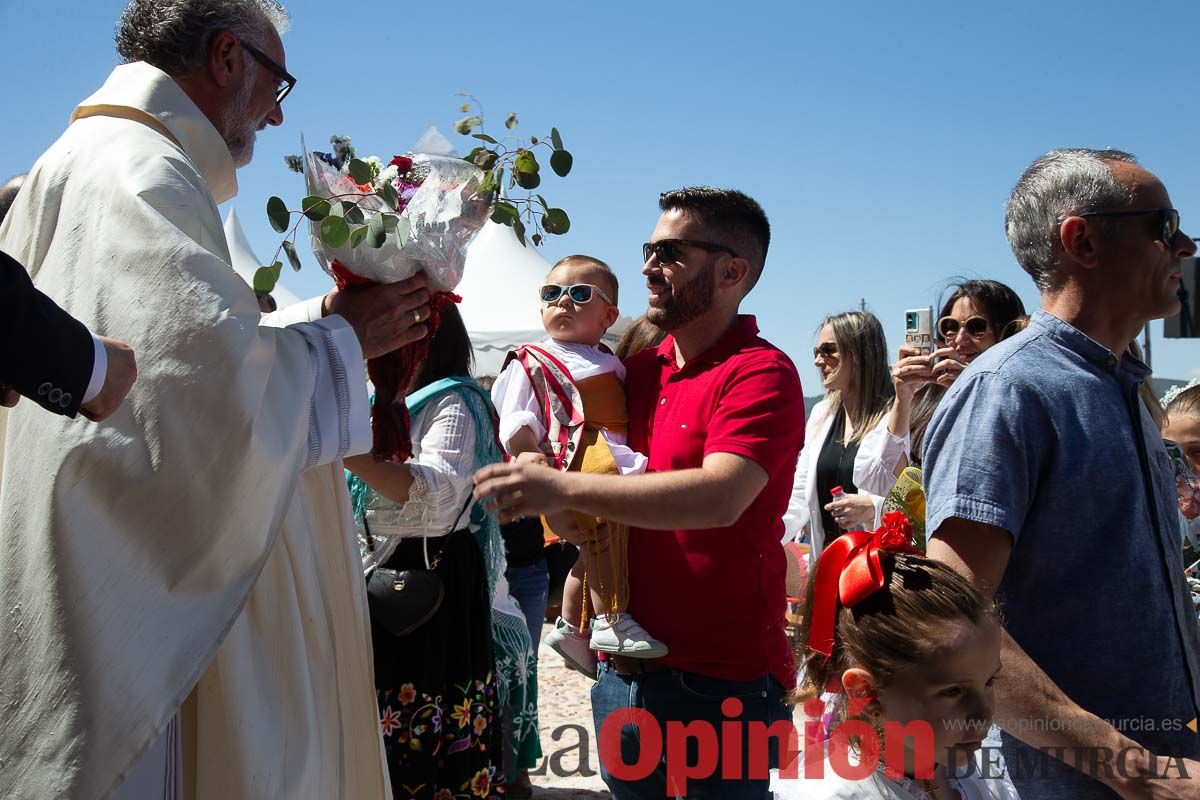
424	539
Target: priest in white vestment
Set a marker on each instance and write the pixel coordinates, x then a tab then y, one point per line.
183	599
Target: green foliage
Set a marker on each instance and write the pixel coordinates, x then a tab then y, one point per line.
334	232
292	256
556	221
315	208
265	278
361	172
277	213
561	162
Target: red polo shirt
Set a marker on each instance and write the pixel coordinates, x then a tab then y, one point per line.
716	597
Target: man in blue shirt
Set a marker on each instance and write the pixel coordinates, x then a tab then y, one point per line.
1049	486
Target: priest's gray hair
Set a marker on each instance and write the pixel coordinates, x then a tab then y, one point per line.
1062	183
174	35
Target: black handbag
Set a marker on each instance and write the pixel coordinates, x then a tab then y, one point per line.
403	600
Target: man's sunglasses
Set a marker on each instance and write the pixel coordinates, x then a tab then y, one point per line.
827	351
578	292
976	327
1169	218
667	250
286	81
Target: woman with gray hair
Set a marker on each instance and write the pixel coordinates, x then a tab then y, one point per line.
846	443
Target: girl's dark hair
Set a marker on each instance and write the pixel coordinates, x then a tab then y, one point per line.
1006	313
450	351
1000	304
899	626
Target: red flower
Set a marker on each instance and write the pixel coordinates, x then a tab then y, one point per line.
401	163
896	532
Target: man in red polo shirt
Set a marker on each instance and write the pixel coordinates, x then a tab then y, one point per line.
720	413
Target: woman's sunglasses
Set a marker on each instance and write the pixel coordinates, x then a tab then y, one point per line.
667	250
826	351
976	327
578	292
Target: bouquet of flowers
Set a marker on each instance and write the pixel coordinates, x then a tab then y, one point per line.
373	222
907	495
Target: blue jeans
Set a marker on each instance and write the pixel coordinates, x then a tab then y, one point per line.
684	697
529	587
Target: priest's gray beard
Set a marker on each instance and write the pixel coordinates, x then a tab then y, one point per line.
240	130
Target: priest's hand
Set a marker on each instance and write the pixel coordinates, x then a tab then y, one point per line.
516	490
118	380
384	317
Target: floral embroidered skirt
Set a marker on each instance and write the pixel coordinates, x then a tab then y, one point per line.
437	686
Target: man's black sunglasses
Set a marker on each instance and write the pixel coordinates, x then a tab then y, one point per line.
667	252
286	81
1169	217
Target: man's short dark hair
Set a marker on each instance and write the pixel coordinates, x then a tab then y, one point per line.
736	218
8	194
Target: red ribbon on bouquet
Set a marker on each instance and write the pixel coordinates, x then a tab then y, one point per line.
849	572
392	373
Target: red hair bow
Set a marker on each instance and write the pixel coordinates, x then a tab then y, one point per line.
849	572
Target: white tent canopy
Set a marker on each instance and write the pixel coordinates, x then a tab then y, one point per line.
245	263
500	303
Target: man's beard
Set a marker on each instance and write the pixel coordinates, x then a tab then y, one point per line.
240	131
687	302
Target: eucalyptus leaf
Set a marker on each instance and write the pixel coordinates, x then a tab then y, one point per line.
505	214
315	208
467	124
357	235
519	230
542	200
403	231
485	159
361	171
390	221
537	240
375	232
483	137
334	232
277	213
556	221
526	162
555	139
560	162
388	193
292	256
265	278
529	180
511	121
354	214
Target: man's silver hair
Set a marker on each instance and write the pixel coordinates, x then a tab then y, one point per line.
174	35
1061	183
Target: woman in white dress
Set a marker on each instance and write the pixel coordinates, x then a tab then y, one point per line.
911	650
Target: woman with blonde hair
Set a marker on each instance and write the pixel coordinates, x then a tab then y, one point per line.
846	441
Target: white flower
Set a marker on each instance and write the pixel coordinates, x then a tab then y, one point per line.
388	175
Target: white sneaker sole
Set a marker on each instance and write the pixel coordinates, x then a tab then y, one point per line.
570	662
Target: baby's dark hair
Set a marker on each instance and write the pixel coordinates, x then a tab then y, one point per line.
899	626
597	266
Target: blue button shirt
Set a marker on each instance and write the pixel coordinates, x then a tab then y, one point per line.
1044	436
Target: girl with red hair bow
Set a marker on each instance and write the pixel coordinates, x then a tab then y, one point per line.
909	650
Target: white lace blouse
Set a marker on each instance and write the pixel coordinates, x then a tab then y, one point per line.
443	463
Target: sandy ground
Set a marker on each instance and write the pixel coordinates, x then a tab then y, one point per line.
565	710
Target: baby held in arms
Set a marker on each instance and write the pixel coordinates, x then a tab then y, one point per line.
562	404
907	652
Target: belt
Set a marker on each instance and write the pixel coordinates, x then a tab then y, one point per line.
624	665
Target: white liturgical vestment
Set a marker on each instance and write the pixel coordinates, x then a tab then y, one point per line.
198	545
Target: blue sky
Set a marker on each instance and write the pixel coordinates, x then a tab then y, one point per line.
882	138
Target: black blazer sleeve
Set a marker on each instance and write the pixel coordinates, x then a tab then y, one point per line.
45	353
